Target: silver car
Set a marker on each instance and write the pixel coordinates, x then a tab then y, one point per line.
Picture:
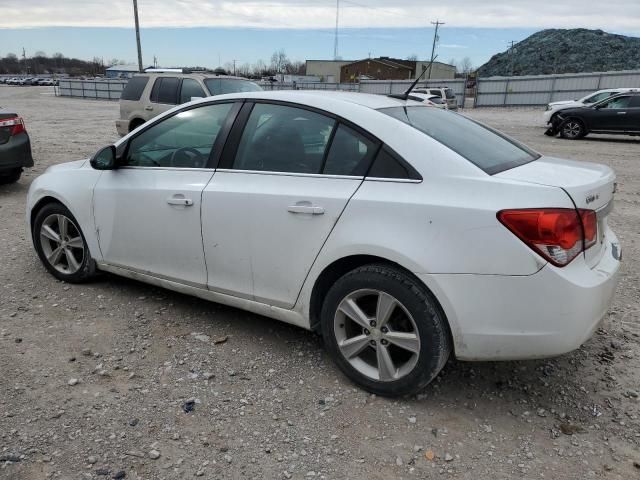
152	93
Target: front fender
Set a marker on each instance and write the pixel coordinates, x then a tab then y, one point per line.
73	188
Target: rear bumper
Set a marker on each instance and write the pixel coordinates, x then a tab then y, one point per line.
122	126
16	153
542	315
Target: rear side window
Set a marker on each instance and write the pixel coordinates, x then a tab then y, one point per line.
350	153
279	138
437	93
482	146
165	90
388	165
635	102
134	88
190	88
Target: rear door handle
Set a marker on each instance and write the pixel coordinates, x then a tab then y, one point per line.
306	207
622	113
185	202
148	107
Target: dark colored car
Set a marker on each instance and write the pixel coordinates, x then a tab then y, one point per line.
15	147
619	114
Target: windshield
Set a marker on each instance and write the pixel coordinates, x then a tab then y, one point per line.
598	96
484	147
220	86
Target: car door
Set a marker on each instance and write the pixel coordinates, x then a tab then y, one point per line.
147	212
612	114
163	97
633	115
283	182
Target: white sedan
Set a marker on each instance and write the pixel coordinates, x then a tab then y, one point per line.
402	234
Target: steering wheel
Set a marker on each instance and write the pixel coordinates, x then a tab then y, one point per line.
187	157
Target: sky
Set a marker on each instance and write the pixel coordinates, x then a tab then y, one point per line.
214	32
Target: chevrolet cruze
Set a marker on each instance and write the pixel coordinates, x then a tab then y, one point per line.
402	233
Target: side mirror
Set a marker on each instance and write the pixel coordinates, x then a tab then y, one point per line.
105	158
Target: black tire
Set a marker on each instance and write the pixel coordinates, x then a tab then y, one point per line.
10	176
135	124
572	129
414	298
87	266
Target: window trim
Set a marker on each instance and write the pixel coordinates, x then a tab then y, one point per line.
216	150
233	141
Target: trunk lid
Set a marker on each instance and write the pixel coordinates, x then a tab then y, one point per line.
590	186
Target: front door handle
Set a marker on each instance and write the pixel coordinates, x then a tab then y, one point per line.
305	207
184	202
622	113
148	107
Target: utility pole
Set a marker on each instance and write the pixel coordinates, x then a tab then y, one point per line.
335	40
234	67
511	44
437	23
135	14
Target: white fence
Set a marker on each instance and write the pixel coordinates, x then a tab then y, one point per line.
490	92
542	89
100	89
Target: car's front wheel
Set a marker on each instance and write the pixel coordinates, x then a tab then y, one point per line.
385	330
572	129
61	245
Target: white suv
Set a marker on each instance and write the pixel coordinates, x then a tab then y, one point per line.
591	99
152	93
445	93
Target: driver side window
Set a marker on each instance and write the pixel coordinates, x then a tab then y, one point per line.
184	140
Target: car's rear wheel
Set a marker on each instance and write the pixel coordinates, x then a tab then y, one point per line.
10	176
135	124
385	330
572	129
61	245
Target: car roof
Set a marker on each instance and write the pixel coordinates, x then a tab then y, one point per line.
318	97
189	75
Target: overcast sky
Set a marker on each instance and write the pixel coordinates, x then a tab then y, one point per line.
618	15
212	32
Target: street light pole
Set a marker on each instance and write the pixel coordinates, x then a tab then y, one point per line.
135	14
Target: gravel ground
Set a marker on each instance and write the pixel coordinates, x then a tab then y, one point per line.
117	379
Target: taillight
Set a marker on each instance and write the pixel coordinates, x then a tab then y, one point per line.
590	225
557	234
16	125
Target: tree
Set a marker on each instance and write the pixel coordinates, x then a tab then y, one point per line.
279	61
465	65
40	53
260	69
413	57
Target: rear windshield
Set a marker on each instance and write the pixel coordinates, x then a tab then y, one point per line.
220	86
449	93
484	147
133	89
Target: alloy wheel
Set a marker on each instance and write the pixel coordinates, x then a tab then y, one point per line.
62	244
377	335
572	129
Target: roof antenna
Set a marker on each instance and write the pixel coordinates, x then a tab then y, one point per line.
405	95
